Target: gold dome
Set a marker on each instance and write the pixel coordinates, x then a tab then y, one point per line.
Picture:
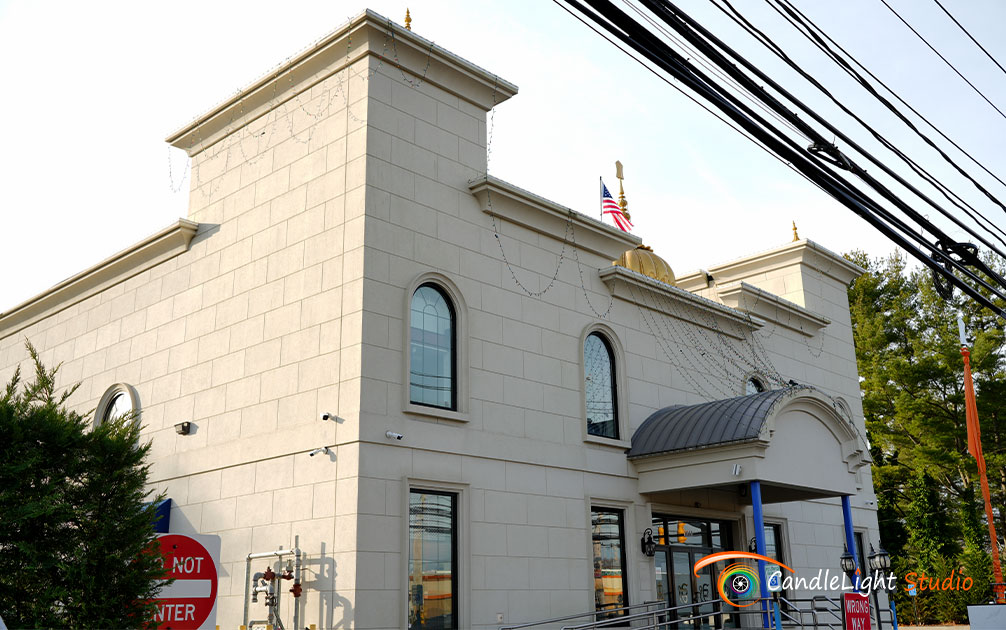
643	260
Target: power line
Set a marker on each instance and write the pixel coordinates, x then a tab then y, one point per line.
815	33
959	25
917	34
919	170
939	256
690	30
949	194
698	59
685	94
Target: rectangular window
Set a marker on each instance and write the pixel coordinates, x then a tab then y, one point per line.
433	565
693	532
773	544
608	544
861	554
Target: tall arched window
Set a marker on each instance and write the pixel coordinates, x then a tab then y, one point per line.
433	361
599	387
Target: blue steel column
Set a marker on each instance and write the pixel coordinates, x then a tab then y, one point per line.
759	525
850	537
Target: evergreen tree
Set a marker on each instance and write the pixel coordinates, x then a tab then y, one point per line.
77	545
908	354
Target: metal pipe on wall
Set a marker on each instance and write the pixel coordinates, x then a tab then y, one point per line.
279	553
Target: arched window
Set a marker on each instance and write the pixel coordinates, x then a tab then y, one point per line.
117	401
433	360
599	387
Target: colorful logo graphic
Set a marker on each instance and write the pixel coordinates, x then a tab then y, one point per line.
737	583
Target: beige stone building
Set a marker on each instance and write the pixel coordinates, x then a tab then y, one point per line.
508	411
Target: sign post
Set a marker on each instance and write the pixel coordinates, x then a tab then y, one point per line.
855	611
190	602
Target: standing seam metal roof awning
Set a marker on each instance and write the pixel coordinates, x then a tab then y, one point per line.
687	427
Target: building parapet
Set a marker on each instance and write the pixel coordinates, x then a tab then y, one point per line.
367	34
151	251
629	285
770	307
506	201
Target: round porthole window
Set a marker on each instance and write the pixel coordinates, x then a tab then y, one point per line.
117	401
754	386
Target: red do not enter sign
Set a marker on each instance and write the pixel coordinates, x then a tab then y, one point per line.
188	602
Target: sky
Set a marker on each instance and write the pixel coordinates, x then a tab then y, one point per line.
90	91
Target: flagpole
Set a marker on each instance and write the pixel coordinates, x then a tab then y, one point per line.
975	448
600	195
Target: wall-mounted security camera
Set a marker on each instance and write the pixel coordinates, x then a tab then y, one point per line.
327	416
393	435
323	449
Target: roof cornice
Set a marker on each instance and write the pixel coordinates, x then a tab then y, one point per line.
771	307
652	294
156	248
504	200
370	34
804	252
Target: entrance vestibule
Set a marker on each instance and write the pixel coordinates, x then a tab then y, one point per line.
681	542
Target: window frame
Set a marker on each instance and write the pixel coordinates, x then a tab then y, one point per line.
462	545
110	394
624	511
781	526
461	366
754	376
455	500
620	386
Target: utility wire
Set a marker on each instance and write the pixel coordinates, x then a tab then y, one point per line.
656	51
959	25
917	34
814	34
686	25
891	91
919	170
711	68
663	78
711	46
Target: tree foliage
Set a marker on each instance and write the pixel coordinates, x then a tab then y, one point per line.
911	369
77	545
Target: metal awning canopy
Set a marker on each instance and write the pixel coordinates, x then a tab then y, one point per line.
792	440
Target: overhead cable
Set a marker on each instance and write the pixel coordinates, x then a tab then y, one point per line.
815	34
961	26
938	54
942	256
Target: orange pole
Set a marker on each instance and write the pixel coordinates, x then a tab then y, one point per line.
975	448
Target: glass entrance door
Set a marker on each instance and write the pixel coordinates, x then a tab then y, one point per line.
682	544
679	586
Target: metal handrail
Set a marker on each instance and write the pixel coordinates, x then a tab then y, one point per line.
651	614
593	613
656	619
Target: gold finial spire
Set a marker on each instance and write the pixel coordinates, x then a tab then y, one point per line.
796	237
622	203
408	20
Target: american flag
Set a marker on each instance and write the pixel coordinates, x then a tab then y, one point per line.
610	206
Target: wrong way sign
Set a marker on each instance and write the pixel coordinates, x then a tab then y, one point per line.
190	602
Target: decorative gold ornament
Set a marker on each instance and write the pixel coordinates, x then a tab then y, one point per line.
796	237
408	20
642	260
622	203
